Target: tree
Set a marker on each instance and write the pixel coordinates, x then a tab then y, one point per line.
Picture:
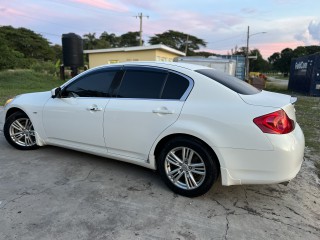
130	39
27	42
282	61
312	49
255	65
21	47
259	64
90	41
178	40
109	40
202	54
57	49
9	58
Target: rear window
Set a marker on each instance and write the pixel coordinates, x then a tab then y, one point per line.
230	82
175	87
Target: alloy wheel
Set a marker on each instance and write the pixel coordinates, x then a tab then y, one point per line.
185	168
22	133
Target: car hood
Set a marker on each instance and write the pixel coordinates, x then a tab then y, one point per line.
268	99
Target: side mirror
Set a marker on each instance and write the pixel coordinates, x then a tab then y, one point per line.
55	92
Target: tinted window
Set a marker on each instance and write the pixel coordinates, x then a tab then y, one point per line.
142	84
91	85
175	87
230	82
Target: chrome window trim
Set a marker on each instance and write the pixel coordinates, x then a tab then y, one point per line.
119	67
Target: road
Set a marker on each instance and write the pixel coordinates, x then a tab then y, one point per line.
53	193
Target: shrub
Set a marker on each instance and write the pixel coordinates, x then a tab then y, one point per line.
44	67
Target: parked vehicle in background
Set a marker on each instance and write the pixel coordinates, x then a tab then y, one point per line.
190	122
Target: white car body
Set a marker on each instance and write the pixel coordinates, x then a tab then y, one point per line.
131	129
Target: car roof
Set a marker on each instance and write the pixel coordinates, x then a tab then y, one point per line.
167	64
171	65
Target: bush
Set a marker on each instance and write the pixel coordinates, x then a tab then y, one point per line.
44	67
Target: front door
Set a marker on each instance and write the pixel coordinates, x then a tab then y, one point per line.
76	117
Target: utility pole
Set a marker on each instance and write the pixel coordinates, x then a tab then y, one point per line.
187	42
247	52
140	15
247	57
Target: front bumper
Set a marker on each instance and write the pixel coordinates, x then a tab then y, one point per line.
265	167
2	118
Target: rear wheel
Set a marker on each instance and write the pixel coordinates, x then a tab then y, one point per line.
187	167
19	132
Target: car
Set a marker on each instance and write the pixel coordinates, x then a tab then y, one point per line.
191	123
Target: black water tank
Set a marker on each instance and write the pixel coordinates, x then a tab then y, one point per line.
72	49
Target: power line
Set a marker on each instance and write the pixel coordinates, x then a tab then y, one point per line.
226	39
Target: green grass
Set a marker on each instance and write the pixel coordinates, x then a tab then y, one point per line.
308	117
15	82
277	76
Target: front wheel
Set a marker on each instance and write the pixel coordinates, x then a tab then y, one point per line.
19	132
187	167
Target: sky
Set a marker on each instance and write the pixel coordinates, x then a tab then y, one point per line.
223	24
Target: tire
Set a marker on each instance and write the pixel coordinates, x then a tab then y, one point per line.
19	132
187	167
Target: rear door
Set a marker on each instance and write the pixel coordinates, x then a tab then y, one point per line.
147	101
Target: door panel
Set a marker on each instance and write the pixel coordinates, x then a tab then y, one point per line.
132	125
75	120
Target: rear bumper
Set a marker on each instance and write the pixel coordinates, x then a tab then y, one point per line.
265	167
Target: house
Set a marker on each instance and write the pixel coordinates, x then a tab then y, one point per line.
157	52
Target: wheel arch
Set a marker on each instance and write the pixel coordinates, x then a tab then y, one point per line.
169	137
14	110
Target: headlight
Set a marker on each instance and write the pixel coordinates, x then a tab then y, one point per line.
8	101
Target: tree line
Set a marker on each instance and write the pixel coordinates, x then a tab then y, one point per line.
170	38
23	48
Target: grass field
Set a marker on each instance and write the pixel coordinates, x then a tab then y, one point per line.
16	82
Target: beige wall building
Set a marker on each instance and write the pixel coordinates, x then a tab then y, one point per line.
158	52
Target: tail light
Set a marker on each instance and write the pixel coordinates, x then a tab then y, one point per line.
275	123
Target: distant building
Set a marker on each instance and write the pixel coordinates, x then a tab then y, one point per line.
224	65
158	52
240	64
231	64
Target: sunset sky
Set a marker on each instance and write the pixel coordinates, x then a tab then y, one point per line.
222	24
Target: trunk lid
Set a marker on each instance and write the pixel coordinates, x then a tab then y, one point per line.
267	99
271	99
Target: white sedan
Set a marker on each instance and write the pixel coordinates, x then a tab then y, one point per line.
189	122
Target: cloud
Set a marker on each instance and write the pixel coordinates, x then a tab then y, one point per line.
314	29
102	4
311	35
141	4
9	11
249	10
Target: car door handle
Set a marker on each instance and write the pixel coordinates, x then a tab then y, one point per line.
163	111
94	109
